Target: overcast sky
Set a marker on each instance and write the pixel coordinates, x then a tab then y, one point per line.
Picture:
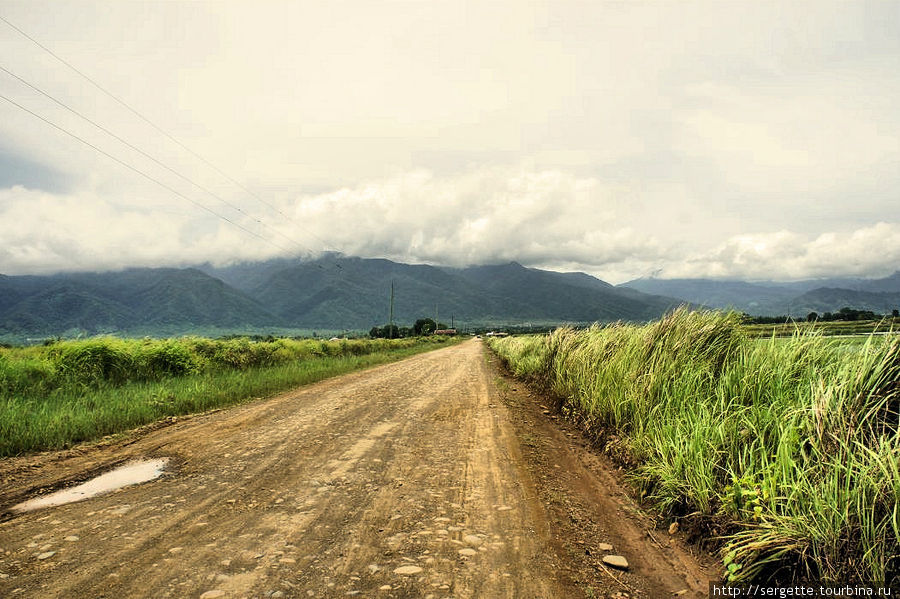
717	139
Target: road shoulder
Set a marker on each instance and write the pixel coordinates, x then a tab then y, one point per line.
588	506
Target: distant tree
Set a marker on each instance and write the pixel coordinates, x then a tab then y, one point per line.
424	326
388	331
812	317
784	318
895	313
848	314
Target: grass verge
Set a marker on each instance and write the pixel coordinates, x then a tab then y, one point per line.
786	450
53	397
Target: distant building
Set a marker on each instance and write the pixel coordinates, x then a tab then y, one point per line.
496	334
445	332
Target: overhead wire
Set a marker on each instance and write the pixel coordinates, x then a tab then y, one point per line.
155	160
165	133
143	174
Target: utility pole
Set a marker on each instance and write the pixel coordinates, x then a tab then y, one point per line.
435	316
391	319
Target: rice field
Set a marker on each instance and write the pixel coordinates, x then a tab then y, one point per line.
783	452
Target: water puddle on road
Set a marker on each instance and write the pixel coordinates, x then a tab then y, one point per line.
131	473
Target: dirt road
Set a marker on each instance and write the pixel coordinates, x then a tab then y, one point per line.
430	477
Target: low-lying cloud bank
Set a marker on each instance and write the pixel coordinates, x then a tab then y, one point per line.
542	218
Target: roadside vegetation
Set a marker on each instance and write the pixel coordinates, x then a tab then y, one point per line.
62	393
784	451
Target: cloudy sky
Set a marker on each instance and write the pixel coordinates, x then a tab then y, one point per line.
718	139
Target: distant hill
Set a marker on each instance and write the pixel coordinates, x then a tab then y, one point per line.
530	293
63	307
752	298
775	298
336	292
828	299
247	276
354	293
134	299
332	292
890	284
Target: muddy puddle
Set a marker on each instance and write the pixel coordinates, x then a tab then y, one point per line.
131	473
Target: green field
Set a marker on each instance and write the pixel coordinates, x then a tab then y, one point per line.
827	328
53	396
783	451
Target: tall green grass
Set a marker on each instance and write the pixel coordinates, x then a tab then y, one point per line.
787	447
57	395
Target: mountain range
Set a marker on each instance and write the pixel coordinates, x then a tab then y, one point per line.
796	298
335	292
355	292
136	299
329	293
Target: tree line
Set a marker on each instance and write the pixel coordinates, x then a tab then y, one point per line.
844	314
423	326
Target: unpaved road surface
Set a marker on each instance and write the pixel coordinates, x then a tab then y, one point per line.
430	477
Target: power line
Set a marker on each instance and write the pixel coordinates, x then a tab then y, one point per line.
162	131
142	173
148	156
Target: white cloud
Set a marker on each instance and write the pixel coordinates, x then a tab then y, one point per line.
738	139
485	216
540	218
45	233
867	251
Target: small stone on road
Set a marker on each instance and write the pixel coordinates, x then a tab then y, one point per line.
616	561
